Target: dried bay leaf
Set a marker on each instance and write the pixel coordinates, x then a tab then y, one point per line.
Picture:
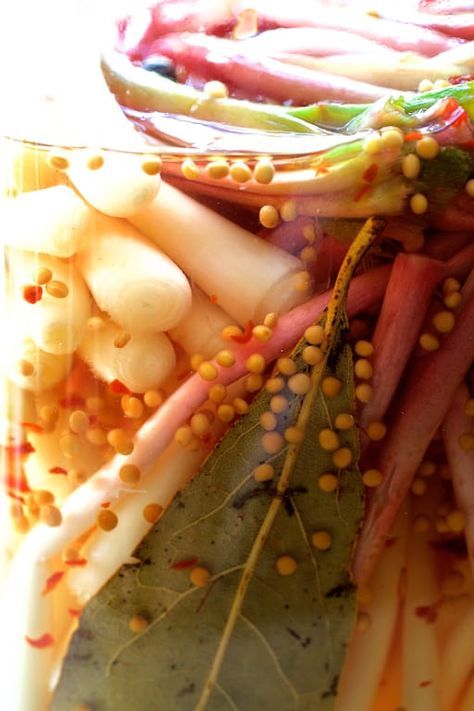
250	638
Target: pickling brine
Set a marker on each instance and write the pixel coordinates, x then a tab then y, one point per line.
236	426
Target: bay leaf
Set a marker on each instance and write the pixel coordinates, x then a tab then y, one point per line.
250	637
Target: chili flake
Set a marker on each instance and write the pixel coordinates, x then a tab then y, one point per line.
53	581
246	335
46	640
32	293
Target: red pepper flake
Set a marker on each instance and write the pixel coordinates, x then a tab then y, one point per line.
213	299
105	504
79	563
72	400
32	293
413	136
32	426
118	388
322	167
53	581
46	640
16	481
19	450
371	173
184	564
74	612
57	470
246	335
361	192
427	682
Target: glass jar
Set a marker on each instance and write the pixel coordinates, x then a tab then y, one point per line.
236	425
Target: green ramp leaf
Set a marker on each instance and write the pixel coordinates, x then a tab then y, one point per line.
270	625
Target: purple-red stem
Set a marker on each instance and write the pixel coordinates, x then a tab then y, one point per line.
427	395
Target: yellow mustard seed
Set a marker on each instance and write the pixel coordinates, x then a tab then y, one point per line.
363	369
50	515
152	512
264	472
121	339
129	474
342	458
308	254
294	435
453	300
225	413
199	576
441	84
253	382
76	476
456	521
42	276
315	335
441	525
215	90
132	407
94	160
217	169
372	478
200	424
78	421
429	342
289	210
262	333
225	358
373	144
270	320
217	393
328	482
264	171
120	441
469	407
331	386
286	565
96	436
376	431
418	486
153	398
25	367
138	624
444	321
363	392
240	172
469	187
57	288
286	366
421	524
449	285
363	622
301	281
107	520
392	138
207	371
272	442
70	445
278	404
255	363
364	349
189	169
299	384
240	405
268	421
43	497
196	360
419	203
344	421
426	468
328	440
57	160
309	232
268	216
425	85
151	165
466	441
312	355
411	166
274	385
49	414
321	540
427	147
